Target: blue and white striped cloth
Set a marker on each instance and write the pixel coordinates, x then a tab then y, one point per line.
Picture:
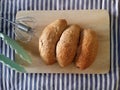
12	80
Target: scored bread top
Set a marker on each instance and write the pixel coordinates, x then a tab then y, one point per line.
87	50
67	45
49	39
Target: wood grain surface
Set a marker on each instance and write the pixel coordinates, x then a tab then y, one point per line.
97	20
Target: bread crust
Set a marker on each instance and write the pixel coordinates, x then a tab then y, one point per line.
87	50
67	45
49	39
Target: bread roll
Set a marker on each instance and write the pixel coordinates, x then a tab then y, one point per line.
87	49
67	45
49	38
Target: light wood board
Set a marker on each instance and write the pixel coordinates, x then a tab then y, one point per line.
97	20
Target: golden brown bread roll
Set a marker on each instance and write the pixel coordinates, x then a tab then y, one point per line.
49	38
67	45
87	49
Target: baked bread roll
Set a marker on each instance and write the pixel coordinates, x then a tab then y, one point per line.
67	45
49	38
87	50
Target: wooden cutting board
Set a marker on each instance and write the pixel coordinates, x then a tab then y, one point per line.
97	20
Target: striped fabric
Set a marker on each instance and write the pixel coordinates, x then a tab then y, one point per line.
12	80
